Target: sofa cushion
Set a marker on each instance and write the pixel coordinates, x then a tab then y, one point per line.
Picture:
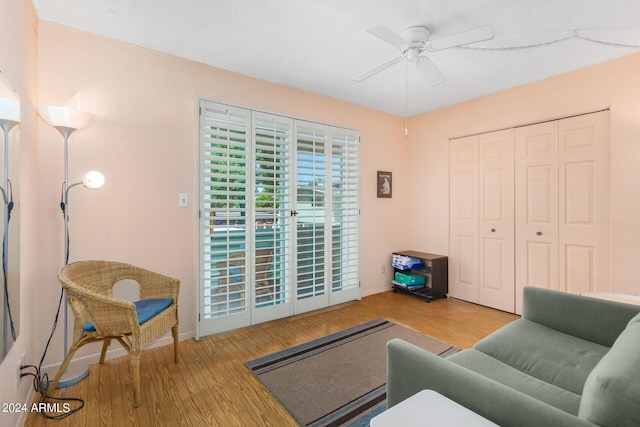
544	353
490	367
611	395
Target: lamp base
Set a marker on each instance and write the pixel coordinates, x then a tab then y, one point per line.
73	375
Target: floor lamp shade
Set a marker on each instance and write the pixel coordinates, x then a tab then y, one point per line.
9	111
63	117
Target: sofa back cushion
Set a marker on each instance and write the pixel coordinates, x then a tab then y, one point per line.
591	319
611	395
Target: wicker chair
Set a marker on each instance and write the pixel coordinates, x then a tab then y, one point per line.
100	317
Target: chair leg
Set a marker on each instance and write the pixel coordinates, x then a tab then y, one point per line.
105	345
174	332
61	370
135	373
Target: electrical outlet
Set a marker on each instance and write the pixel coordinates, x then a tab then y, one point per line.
19	368
383	268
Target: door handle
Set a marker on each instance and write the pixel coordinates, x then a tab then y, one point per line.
539	233
493	230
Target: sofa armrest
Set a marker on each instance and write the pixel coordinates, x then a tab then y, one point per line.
411	369
596	320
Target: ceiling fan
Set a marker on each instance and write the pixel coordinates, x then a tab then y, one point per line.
415	45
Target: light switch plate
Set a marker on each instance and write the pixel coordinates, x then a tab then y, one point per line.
183	201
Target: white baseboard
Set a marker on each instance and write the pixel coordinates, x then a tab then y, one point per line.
374	291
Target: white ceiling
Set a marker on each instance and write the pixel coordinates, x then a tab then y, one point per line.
319	45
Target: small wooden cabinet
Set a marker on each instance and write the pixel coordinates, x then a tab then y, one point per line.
435	270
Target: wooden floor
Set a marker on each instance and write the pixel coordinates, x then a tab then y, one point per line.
212	387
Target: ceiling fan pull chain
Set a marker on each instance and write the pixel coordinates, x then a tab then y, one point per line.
406	97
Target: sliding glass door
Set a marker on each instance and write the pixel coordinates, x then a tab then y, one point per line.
279	217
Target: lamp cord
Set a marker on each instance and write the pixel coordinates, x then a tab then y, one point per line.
6	290
63	207
5	268
41	381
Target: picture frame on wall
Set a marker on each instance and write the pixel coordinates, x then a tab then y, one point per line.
385	184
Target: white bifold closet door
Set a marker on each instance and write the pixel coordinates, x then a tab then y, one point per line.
529	206
496	220
563	205
482	219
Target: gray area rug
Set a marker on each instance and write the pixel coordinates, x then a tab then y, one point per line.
339	379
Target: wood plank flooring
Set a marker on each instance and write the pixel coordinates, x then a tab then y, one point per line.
212	387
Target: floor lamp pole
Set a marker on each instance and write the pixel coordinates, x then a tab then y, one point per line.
64	204
66	121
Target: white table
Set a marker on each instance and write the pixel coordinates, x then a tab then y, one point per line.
429	408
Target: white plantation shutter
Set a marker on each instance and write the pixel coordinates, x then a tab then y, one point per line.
279	216
312	214
223	211
273	203
345	248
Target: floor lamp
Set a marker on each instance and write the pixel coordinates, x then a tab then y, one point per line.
67	121
9	117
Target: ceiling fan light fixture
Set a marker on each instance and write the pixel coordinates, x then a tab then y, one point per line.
413	55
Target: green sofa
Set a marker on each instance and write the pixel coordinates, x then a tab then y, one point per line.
569	361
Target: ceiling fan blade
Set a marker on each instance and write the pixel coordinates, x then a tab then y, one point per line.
459	39
430	71
385	34
363	76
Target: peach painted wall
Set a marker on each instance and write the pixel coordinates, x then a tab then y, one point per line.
613	84
144	139
18	61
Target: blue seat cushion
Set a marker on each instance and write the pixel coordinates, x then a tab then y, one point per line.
146	310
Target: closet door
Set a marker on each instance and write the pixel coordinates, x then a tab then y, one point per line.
496	220
584	203
536	183
562	205
463	219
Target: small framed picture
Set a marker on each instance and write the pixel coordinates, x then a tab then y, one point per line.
384	184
